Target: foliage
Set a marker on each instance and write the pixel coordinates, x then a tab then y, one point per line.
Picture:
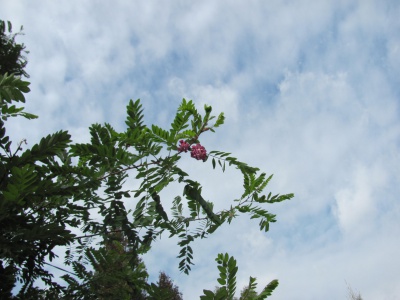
55	188
227	283
12	60
38	190
11	90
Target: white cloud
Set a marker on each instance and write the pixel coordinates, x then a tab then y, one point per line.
357	205
222	97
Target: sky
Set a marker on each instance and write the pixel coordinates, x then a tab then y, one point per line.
310	90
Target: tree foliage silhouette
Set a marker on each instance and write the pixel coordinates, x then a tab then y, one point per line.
12	58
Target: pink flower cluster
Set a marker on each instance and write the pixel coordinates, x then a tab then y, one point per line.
197	151
183	146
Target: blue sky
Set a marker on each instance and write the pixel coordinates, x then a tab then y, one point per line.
310	90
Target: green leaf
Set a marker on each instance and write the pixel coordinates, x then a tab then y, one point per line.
135	115
12	88
221	281
220	120
208	295
159	134
267	291
48	146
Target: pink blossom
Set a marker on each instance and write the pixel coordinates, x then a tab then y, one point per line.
183	146
199	152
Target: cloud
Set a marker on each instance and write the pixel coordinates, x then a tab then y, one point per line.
222	98
356	208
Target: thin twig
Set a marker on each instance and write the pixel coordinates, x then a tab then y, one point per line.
46	263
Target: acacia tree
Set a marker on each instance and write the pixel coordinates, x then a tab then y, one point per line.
44	196
151	156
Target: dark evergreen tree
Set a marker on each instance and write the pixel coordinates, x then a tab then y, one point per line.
165	289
